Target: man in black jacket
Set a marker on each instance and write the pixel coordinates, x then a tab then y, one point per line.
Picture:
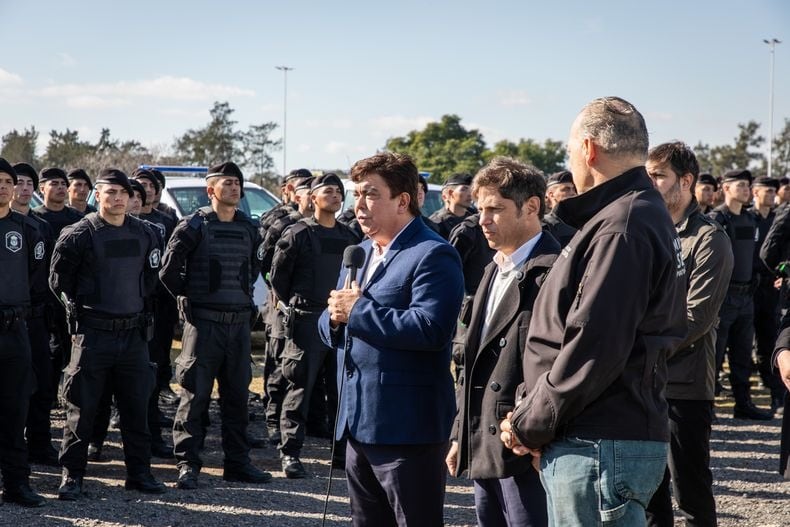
508	491
611	309
558	187
692	368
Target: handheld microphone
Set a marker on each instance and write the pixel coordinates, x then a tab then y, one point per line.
353	260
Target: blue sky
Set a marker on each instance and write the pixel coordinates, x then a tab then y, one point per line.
365	71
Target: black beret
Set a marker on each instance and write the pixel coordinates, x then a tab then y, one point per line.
23	169
113	176
299	172
79	173
6	167
159	176
329	178
769	182
423	183
784	181
563	176
142	173
707	179
305	183
137	187
229	169
735	175
53	173
458	179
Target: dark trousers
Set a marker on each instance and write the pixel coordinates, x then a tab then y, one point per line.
396	485
735	335
59	345
16	383
99	357
766	329
213	350
688	466
303	359
517	501
160	345
273	383
38	432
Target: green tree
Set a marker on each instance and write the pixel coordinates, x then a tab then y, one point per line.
743	153
549	156
258	146
781	152
20	147
442	148
66	150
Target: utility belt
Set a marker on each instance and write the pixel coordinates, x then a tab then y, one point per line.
114	324
11	316
298	307
190	313
742	288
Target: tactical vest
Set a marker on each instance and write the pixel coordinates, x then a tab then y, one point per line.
326	258
742	230
116	263
15	256
218	272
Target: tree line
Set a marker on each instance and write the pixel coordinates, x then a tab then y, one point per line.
443	148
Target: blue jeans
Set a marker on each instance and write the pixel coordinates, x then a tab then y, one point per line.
601	482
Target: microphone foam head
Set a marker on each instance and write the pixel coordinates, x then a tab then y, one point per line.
354	256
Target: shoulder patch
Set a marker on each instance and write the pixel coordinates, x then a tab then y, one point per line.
154	257
13	241
38	251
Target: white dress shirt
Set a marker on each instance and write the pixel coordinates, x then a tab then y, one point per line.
506	271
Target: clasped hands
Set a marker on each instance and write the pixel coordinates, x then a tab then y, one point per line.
510	440
340	303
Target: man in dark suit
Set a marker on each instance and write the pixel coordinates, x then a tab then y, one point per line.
510	198
392	333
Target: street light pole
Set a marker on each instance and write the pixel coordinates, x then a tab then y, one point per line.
285	70
772	44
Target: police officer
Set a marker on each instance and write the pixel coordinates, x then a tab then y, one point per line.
53	185
766	296
210	266
273	383
457	196
38	430
156	202
736	316
80	187
104	268
304	270
705	190
21	254
558	187
158	446
166	309
290	199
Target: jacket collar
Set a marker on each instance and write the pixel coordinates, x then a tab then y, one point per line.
690	210
576	211
399	243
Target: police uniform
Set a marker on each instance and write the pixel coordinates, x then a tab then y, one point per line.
305	268
468	239
21	256
59	339
166	309
736	316
104	273
273	383
38	429
766	304
79	173
210	266
444	218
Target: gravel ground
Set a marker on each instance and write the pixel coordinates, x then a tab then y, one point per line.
748	489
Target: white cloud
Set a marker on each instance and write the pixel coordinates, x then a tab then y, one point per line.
66	60
399	124
167	87
8	79
514	98
335	124
94	102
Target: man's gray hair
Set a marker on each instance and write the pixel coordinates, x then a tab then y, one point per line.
615	126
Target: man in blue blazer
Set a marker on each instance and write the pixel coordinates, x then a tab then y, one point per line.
392	329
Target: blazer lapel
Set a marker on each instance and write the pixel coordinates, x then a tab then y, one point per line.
506	310
404	237
479	312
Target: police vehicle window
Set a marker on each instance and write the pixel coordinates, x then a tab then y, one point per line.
433	202
258	201
190	199
348	200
